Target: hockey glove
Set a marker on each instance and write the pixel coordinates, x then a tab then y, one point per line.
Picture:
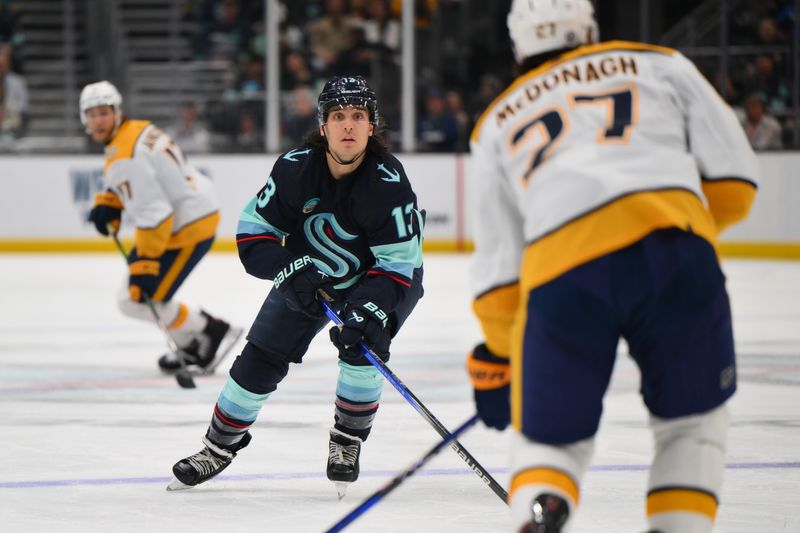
491	378
107	211
298	281
143	280
366	323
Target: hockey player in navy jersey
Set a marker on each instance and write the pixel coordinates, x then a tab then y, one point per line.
605	173
336	215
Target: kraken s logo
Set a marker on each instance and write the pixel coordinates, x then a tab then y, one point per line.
342	260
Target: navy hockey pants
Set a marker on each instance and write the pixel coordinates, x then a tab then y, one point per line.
665	295
280	335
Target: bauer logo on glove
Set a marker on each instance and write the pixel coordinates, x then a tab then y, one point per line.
299	280
291	268
363	323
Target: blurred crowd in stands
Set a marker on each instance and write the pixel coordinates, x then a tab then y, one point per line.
758	85
13	89
456	80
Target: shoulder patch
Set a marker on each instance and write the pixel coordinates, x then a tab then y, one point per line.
393	176
292	154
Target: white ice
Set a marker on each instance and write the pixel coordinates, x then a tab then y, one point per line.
90	429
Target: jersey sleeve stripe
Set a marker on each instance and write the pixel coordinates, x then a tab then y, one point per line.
708	179
266	237
394	278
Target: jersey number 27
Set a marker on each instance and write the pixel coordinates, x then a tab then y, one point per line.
621	110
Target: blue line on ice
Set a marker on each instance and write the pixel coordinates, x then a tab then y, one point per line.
373	473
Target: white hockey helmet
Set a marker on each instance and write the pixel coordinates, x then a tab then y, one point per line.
538	26
99	94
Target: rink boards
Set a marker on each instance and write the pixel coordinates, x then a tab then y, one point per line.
44	202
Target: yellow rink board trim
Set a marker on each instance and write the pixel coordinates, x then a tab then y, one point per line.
755	250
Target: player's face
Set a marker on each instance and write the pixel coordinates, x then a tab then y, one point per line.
348	131
100	121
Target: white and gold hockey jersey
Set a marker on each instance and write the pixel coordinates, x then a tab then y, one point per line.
170	202
589	153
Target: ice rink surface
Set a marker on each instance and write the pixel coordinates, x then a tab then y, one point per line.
90	429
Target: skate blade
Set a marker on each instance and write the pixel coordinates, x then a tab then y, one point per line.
175	485
228	342
341	488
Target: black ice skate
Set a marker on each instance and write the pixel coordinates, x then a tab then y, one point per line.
343	452
205	352
205	464
550	513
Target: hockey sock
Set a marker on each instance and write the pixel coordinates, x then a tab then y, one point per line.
234	413
540	469
686	476
358	392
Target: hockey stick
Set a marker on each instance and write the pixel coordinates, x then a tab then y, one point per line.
402	476
182	376
419	406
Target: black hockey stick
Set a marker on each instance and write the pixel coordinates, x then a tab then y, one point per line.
402	476
419	406
182	376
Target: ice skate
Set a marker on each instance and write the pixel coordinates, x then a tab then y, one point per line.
205	352
343	452
550	513
204	465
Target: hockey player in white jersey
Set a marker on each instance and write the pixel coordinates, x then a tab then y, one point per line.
604	175
174	210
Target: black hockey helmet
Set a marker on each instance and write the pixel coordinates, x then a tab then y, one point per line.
344	91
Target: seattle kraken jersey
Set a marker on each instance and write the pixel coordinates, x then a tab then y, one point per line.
365	226
589	153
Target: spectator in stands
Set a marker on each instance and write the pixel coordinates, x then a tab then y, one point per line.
226	32
731	93
249	139
765	80
762	130
360	58
488	89
455	104
9	31
252	84
330	35
188	132
296	71
301	118
437	130
381	30
768	33
13	98
424	11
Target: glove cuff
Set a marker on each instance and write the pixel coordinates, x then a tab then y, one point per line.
486	370
144	267
108	199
